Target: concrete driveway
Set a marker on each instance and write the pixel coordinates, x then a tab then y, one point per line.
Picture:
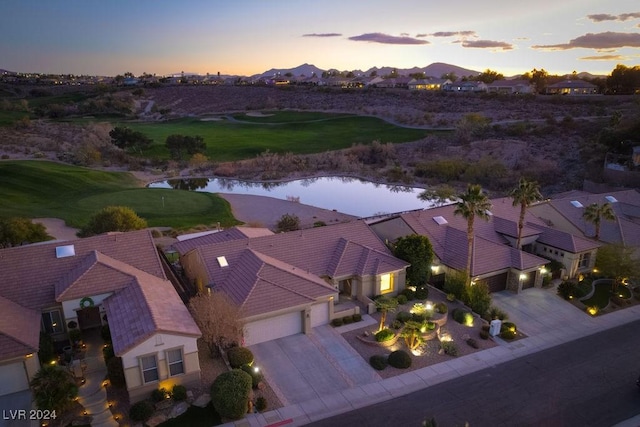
302	367
539	311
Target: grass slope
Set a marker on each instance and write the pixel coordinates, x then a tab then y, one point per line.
35	189
295	132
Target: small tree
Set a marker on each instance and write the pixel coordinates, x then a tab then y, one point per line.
113	218
617	262
412	334
288	222
230	394
178	145
417	251
54	388
17	231
126	138
439	196
384	306
218	318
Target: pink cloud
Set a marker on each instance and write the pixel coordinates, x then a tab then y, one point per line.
607	40
605	58
454	33
601	17
487	44
386	39
322	35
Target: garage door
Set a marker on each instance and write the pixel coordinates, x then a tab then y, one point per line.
273	328
319	314
13	378
496	283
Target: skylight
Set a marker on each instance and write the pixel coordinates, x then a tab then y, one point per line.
440	220
611	199
577	204
65	251
222	261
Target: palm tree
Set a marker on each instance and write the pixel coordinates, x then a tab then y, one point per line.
595	213
524	195
472	203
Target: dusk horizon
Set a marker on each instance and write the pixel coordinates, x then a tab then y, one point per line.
251	37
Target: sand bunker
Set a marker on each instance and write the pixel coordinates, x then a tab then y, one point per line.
258	114
211	119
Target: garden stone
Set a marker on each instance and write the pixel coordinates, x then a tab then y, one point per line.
189	396
202	401
179	409
156	420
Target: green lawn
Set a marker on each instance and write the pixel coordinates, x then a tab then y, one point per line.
44	189
296	132
602	294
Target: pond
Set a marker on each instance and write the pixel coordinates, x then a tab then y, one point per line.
347	195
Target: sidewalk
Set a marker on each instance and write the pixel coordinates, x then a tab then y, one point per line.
333	404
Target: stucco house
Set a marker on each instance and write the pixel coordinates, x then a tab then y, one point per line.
115	278
289	283
515	86
428	84
495	258
572	88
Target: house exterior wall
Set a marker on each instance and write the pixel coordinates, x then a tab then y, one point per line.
70	308
158	345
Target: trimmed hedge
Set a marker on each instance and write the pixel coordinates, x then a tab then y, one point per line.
230	393
179	393
441	308
462	316
256	377
337	322
422	293
484	334
409	293
384	335
400	359
261	404
378	362
239	356
403	316
402	299
357	317
141	411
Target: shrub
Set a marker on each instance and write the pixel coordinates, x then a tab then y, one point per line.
105	333
141	411
496	313
567	290
451	297
336	322
485	327
261	404
462	316
402	299
472	343
396	324
441	308
239	356
347	320
400	359
378	362
422	293
508	325
431	326
159	394
385	335
419	317
403	316
409	293
484	334
230	393
357	317
115	371
478	298
456	284
507	334
449	347
179	392
256	376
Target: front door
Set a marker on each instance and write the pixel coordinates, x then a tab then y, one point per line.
89	317
345	287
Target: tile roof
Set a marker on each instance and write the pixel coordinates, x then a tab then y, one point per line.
30	273
19	330
234	233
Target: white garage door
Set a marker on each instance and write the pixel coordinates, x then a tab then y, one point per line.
319	314
273	328
13	378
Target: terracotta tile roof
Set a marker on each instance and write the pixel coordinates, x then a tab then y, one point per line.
149	305
234	233
351	258
19	330
565	241
30	273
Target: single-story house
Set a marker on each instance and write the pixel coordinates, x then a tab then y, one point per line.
572	88
516	86
116	279
428	84
495	258
465	86
288	283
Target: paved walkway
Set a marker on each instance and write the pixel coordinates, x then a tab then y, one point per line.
539	313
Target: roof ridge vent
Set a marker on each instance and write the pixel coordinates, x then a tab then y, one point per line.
440	220
65	251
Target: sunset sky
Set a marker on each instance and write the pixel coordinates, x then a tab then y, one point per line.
247	37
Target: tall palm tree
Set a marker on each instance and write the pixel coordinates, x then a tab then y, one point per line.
525	194
471	204
595	213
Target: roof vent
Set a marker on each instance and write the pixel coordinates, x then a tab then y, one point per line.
611	199
222	261
65	251
577	204
440	220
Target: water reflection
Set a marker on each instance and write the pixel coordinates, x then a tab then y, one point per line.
353	196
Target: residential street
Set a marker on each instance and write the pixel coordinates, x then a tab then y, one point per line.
587	382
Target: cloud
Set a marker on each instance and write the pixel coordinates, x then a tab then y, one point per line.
487	44
605	58
454	33
608	40
386	39
422	35
601	17
322	35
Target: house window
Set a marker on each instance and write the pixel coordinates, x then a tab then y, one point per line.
174	360
52	322
149	368
386	283
584	260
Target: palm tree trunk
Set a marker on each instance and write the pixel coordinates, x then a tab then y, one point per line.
523	208
469	248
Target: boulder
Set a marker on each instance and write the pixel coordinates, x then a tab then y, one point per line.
178	409
202	401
